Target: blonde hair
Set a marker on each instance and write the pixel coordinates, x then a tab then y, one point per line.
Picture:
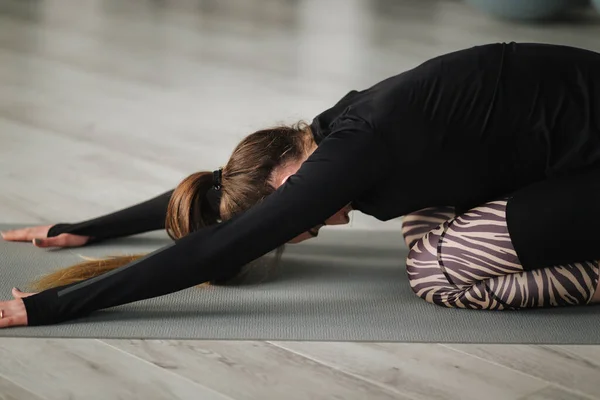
87	269
246	180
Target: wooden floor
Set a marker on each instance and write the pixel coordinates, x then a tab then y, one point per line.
104	103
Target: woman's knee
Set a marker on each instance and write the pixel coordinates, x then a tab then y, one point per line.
450	265
431	282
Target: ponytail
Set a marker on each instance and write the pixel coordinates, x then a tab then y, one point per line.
190	206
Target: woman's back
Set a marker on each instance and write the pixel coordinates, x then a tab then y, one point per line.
476	124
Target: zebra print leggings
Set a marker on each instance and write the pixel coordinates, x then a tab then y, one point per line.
468	261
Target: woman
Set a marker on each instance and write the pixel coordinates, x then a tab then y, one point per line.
492	154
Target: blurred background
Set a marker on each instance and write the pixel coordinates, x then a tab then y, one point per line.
105	103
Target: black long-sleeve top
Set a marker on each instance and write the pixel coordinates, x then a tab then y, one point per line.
460	129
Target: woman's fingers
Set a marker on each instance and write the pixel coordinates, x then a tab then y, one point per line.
38	235
62	240
12	313
26	234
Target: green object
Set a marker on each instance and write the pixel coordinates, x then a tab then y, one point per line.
527	10
596	4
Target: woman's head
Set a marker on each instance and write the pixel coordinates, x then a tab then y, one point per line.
259	164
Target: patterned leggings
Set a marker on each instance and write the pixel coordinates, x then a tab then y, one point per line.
468	261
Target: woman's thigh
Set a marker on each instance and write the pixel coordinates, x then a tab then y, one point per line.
470	262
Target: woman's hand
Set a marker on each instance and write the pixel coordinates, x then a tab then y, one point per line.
38	235
13	312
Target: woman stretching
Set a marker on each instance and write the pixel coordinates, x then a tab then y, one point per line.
491	154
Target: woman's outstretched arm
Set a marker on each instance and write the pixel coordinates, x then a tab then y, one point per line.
143	217
147	216
346	163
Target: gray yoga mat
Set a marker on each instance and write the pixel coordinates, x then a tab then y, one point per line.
347	285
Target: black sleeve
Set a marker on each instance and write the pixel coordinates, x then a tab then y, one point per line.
143	217
342	167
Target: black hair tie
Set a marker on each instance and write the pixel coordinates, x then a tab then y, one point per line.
217	178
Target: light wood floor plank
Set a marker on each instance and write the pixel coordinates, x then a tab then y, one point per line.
553	393
12	391
589	354
421	371
254	370
35	186
573	367
12	215
89	369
